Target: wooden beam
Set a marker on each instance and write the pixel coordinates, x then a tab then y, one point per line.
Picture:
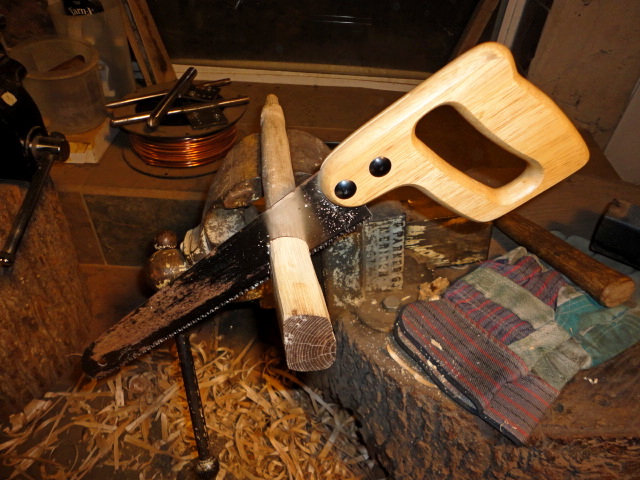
476	25
146	43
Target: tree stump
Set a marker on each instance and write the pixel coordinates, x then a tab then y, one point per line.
44	306
415	431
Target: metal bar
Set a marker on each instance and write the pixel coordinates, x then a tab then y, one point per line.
8	253
129	101
207	465
234	102
181	86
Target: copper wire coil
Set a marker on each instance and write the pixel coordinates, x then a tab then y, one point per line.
183	152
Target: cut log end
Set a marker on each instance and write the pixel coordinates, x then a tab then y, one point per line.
617	292
309	343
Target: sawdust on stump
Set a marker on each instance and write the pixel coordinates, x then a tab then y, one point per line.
263	423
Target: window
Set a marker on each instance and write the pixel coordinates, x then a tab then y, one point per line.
382	38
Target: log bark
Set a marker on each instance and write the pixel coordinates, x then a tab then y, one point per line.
44	306
415	431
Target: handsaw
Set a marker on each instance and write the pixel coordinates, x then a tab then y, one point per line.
385	153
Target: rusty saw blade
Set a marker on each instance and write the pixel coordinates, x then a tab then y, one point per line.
237	265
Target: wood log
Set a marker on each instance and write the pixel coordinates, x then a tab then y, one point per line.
306	329
413	430
609	287
44	306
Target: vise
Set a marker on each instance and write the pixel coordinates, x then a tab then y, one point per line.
29	150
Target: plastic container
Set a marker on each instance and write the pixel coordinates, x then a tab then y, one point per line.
105	31
63	80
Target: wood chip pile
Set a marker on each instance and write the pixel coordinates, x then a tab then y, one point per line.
263	423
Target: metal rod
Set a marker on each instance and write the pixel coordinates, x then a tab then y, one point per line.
141	117
207	465
8	253
129	101
181	86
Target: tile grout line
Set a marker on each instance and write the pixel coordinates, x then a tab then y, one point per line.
93	228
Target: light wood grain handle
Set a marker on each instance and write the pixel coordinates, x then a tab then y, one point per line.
606	285
277	170
485	88
306	329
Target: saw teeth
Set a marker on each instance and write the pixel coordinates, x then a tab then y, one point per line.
241	267
141	351
147	348
339	237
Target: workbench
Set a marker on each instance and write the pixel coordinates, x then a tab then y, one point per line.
413	430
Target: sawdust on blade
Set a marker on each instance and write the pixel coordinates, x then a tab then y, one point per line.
263	422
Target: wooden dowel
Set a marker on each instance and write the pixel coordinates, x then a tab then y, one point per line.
606	285
306	329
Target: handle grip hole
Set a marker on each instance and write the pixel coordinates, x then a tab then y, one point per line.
445	131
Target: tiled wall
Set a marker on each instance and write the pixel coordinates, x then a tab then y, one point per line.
116	230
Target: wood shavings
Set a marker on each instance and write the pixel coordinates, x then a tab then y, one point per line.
31	410
264	423
431	291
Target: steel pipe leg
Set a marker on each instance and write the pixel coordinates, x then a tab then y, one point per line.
206	466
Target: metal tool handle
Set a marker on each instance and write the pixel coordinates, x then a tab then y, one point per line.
130	101
207	464
46	150
8	253
485	88
181	86
141	117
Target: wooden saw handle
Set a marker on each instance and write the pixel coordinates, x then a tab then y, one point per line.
306	329
606	285
485	88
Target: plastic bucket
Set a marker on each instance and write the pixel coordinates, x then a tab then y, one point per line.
64	82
